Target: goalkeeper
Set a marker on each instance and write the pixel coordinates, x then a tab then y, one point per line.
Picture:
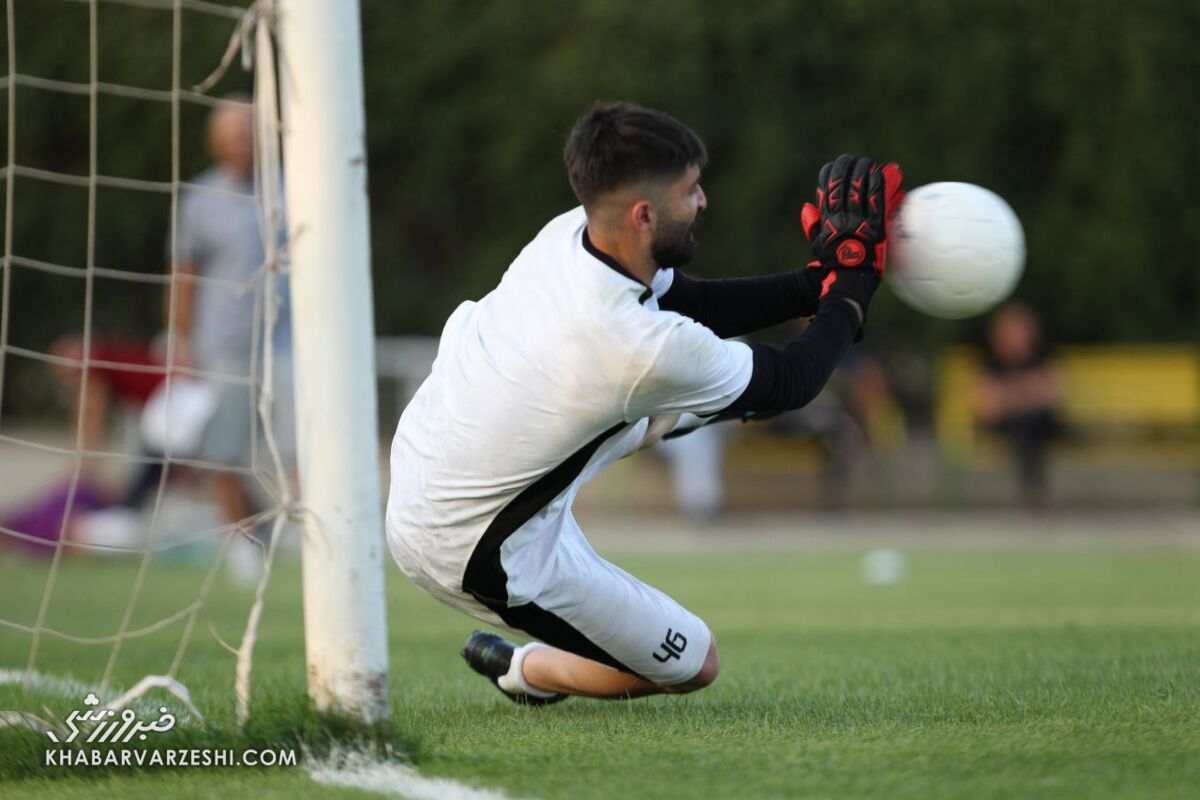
590	347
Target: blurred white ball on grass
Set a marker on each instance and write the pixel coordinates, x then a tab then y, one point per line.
884	566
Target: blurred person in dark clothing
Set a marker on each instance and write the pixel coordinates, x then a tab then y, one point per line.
1019	394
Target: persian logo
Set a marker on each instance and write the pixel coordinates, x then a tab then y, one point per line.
105	725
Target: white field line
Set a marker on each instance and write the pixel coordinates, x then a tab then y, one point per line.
352	770
77	690
50	684
361	771
46	684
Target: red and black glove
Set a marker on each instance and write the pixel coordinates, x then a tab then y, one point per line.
848	227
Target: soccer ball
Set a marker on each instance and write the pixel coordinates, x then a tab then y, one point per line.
956	250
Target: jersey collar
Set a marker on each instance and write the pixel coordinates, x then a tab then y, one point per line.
612	263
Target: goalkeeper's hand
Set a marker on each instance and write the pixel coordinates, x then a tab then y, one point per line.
848	227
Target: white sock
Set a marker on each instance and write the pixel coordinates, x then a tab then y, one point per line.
514	681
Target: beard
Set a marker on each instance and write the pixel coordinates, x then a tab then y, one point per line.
674	243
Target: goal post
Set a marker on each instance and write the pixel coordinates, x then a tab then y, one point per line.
324	153
148	499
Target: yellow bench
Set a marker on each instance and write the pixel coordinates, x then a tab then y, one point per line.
1116	399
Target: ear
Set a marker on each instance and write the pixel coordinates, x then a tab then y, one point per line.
641	216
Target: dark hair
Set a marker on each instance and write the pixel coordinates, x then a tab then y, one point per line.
615	144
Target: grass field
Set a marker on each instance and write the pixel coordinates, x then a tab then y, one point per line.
1014	671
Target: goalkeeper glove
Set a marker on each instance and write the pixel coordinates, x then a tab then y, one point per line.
848	227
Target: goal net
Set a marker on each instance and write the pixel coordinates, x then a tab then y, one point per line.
146	476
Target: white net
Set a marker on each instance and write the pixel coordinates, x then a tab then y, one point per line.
86	576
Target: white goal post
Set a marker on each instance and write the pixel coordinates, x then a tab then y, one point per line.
309	144
324	151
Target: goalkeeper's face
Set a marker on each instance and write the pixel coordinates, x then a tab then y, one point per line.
677	212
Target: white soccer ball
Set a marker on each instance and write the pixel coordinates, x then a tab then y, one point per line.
956	250
884	565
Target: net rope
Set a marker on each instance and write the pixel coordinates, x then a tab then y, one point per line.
251	35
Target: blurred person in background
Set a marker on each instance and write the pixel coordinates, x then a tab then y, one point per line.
219	242
109	386
696	464
872	402
852	420
56	513
1018	395
125	375
827	423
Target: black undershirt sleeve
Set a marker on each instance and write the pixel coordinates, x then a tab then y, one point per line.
791	376
737	306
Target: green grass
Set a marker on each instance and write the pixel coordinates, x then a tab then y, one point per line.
1048	672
